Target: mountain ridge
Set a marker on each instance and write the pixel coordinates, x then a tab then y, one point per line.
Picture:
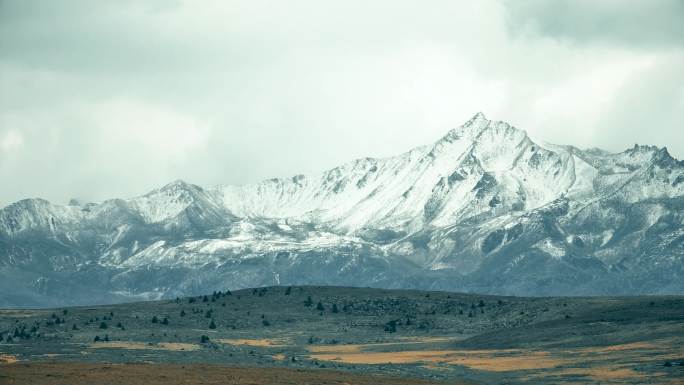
484	208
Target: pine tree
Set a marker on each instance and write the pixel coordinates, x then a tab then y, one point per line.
288	290
155	319
212	325
103	325
308	301
334	308
165	321
182	313
320	306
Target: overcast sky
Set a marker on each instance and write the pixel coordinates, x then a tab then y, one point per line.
103	99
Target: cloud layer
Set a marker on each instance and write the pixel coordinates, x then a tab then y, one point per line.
101	100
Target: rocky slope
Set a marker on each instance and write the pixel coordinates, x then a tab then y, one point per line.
483	209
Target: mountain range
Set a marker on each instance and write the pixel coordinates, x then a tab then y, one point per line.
483	209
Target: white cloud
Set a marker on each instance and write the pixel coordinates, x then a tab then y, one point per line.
10	140
113	100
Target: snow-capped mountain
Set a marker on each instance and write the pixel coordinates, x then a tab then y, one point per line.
484	208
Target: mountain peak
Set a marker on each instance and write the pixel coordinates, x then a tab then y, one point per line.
179	185
176	183
478	119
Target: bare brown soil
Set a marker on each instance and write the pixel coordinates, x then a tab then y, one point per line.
157	374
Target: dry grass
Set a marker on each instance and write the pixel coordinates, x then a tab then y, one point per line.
611	364
525	361
490	360
131	345
621	347
358	348
375	358
8	359
601	373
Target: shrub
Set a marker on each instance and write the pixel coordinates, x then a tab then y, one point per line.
103	325
155	319
204	339
320	306
391	326
308	302
165	321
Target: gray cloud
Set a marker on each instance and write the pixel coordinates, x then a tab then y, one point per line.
646	23
101	100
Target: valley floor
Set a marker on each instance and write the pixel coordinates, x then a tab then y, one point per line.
335	335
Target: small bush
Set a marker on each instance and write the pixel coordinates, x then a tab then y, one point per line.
391	326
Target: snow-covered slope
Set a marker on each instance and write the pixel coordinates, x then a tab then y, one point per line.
484	208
